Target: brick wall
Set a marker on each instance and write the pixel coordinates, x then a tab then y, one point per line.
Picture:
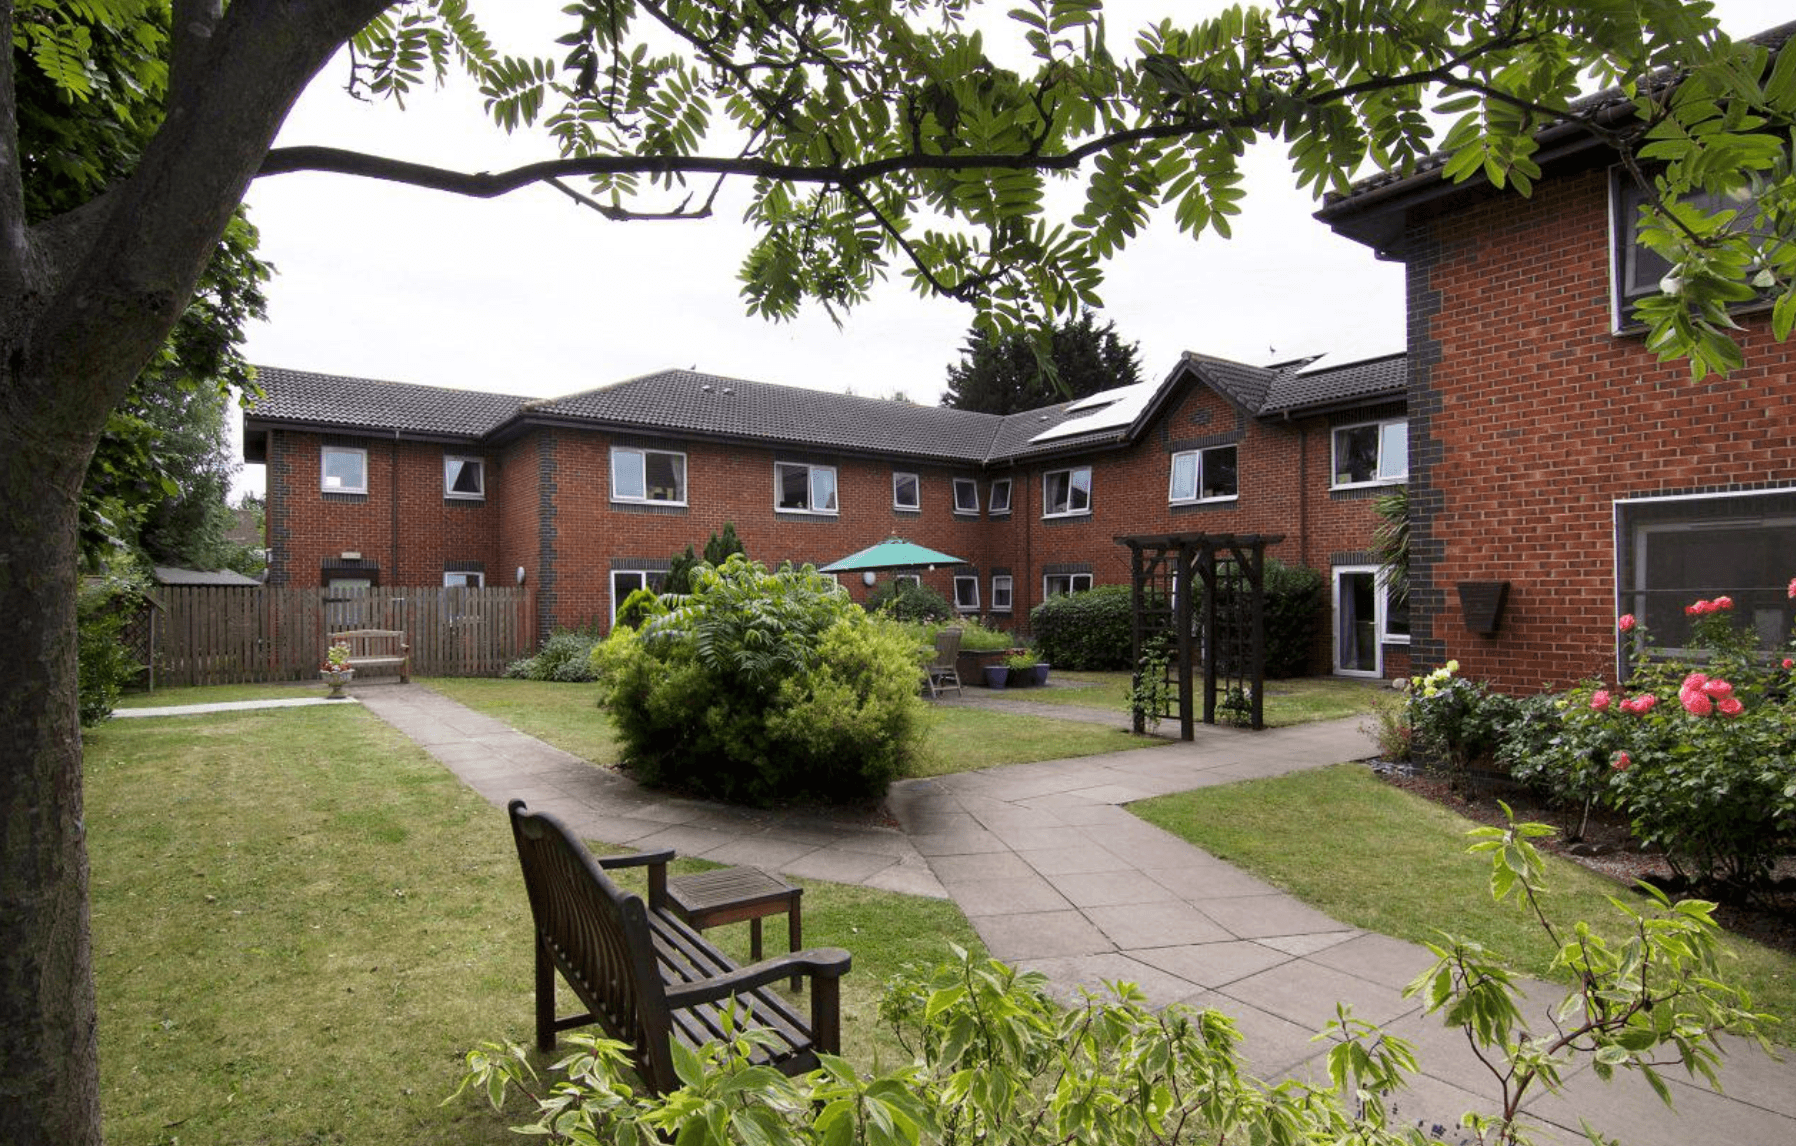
1528	418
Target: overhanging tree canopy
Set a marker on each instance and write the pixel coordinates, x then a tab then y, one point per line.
872	137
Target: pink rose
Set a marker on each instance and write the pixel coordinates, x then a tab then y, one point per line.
1599	700
1730	706
1640	705
1721	603
1627	623
1696	704
1718	688
1621	762
1693	682
1789	664
1697	609
1793	588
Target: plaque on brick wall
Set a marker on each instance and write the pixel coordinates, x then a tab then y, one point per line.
1482	603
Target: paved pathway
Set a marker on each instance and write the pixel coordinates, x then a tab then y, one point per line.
1056	875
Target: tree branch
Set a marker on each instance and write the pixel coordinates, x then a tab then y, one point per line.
190	38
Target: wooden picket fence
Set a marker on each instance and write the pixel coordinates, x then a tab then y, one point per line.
204	634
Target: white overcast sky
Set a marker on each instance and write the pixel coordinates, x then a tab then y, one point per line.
533	295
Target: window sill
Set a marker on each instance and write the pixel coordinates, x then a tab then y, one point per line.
1205	500
1063	516
807	512
648	501
1369	484
464	497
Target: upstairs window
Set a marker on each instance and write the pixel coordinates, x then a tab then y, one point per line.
966	594
1373	453
966	495
648	476
1204	475
343	469
907	491
1637	271
804	488
464	478
1066	492
999	498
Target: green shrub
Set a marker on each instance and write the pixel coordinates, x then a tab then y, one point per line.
761	687
566	656
1088	632
1294	610
974	637
102	610
1699	754
1456	721
910	601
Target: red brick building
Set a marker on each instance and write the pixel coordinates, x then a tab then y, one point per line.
586	497
1550	451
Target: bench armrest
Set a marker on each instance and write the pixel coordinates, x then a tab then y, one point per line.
817	962
639	859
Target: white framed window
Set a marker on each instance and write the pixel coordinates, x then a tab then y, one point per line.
998	500
626	581
1635	270
966	495
1001	594
901	578
343	469
464	478
966	593
464	580
1061	584
1367	617
907	491
1066	492
1204	475
801	488
657	476
1371	453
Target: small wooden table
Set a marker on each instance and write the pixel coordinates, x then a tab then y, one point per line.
732	894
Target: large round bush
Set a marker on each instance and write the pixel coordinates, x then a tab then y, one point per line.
1084	631
761	687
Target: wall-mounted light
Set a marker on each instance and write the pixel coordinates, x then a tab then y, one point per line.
868	578
520	574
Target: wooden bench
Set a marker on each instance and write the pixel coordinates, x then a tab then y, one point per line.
376	649
647	977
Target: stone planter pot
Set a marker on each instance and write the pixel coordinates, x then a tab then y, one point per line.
336	680
996	676
1041	672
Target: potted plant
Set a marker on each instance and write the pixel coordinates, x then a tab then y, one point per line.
996	676
336	671
1022	668
1041	669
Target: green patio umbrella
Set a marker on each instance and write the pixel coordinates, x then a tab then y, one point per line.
892	553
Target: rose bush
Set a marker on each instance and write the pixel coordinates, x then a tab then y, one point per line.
1702	760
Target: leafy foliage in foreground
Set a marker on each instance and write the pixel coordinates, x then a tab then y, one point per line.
996	1061
763	686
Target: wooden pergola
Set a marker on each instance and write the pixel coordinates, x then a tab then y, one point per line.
1229	634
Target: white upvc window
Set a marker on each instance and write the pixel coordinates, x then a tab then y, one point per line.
626	581
1204	475
464	478
1062	584
1001	594
966	593
1638	272
469	580
998	501
1371	453
802	488
901	578
657	476
343	469
1065	493
907	491
966	495
1368	616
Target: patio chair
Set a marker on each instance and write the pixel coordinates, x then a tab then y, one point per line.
942	673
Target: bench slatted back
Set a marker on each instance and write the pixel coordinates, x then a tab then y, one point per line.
597	936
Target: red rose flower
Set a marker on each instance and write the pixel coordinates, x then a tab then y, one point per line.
1789	664
1621	762
1730	706
1718	688
1720	603
1627	623
1695	703
1599	700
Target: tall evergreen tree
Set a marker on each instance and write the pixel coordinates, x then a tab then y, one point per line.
1006	374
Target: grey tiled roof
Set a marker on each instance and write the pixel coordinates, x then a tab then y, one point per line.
682	400
1244	385
302	398
1371	380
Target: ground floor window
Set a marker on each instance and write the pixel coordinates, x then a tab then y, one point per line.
1672	551
1000	594
1367	618
966	593
464	580
1054	584
626	581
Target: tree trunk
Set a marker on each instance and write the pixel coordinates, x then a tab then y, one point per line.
49	1078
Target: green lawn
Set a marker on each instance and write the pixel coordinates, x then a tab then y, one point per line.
223	694
301	921
1379	858
1287	701
957	739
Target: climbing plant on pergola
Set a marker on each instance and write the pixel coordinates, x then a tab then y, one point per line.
1229	632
